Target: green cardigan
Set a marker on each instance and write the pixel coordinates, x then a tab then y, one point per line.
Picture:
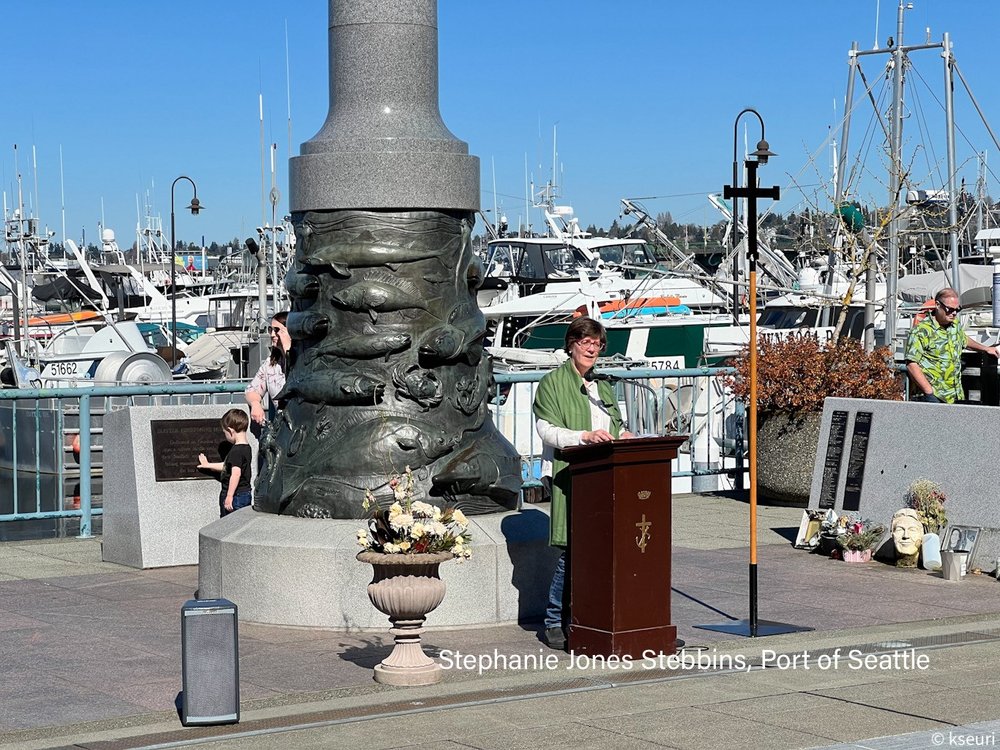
560	401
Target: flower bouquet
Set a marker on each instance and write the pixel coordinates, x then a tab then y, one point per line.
858	537
927	498
411	526
405	545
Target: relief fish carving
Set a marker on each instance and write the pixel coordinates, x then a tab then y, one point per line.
366	250
379	293
339	388
368	345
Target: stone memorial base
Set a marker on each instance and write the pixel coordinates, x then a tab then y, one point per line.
282	570
151	524
871	451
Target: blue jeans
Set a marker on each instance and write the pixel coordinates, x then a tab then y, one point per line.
241	499
927	399
556	613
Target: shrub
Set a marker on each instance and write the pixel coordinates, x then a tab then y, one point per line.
796	373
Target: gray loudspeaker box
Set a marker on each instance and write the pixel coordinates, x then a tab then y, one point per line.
210	662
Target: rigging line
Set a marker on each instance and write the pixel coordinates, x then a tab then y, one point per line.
868	91
958	128
975	103
930	156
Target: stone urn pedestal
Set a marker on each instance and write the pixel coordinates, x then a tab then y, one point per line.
406	587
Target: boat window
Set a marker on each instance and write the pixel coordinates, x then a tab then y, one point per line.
563	260
531	265
787	317
501	260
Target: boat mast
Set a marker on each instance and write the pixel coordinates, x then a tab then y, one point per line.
895	176
949	108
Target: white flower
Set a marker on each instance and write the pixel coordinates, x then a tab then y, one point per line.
436	529
394	510
400	492
459	518
424	510
390	548
401	522
418	530
363	537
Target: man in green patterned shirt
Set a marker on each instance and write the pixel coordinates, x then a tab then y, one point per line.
934	352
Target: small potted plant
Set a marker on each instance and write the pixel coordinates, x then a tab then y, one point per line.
405	544
927	498
858	537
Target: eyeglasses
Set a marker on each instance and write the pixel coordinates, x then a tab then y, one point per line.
950	310
590	344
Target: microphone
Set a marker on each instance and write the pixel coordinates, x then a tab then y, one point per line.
608	378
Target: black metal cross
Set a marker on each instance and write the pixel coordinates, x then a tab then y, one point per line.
751	192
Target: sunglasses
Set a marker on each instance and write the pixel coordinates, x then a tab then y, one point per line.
275	330
950	310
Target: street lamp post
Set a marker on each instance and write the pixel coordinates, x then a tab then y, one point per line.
194	208
752	192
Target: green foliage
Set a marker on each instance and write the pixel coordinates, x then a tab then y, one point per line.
797	373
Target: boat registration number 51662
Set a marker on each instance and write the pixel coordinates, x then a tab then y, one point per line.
62	368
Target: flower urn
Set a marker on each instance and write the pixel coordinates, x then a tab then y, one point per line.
406	587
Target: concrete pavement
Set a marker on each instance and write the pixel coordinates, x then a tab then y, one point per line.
92	659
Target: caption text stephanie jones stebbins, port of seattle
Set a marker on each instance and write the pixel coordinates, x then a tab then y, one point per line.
693	661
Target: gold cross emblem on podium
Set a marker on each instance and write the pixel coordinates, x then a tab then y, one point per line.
644	536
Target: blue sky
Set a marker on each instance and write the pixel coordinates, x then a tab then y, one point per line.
642	94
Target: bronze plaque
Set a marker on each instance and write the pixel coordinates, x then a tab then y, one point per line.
177	443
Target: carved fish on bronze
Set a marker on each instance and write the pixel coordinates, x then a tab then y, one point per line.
447	341
303	325
373	253
432	442
343	388
375	295
302	285
366	346
321	266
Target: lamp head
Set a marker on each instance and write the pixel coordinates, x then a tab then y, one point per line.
763	152
195	206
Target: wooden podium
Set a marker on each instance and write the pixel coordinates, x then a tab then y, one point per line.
620	547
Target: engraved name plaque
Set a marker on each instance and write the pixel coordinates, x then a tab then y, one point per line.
834	456
856	460
177	443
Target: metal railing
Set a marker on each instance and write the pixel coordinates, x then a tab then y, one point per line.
33	440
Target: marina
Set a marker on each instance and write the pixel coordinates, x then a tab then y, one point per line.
397	427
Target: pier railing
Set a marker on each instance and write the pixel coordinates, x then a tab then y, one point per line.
47	435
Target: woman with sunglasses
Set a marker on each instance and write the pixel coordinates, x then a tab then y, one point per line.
270	377
934	352
571	409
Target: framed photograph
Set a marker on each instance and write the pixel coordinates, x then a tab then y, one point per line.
961	539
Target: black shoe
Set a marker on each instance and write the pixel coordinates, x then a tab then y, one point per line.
555	638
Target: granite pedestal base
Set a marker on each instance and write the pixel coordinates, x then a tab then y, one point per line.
281	570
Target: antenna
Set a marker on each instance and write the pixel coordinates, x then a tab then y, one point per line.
875	46
263	199
34	169
62	198
493	163
288	90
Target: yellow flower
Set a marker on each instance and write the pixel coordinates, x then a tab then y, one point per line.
394	510
417	531
459	517
404	546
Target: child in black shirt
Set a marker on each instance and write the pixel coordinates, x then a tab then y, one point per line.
235	470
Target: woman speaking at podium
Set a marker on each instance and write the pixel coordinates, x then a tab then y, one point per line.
571	409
